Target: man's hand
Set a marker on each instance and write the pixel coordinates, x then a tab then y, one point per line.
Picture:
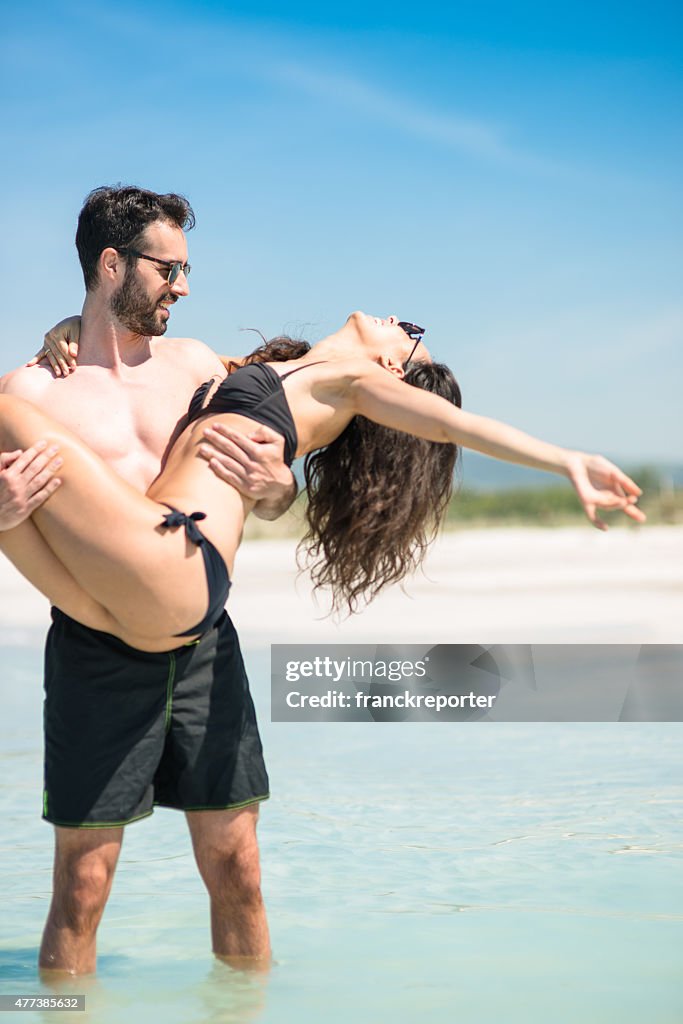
253	464
26	481
60	347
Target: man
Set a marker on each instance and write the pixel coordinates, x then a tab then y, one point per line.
121	726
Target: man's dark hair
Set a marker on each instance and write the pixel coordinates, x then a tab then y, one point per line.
117	215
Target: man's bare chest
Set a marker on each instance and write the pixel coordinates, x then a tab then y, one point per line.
129	424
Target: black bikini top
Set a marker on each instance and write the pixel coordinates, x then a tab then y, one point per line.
254	391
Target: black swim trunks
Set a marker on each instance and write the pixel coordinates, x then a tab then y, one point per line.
126	730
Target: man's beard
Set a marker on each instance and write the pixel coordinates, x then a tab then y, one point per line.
135	310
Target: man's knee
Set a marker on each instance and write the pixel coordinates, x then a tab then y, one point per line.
230	866
82	881
235	874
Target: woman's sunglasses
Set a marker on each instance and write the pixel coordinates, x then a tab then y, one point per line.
413	331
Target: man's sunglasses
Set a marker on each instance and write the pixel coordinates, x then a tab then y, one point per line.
413	331
174	269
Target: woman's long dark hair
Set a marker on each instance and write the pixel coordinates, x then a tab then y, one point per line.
277	350
376	496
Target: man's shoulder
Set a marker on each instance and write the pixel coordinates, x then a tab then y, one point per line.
29	382
194	356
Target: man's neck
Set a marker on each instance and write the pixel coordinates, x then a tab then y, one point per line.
105	342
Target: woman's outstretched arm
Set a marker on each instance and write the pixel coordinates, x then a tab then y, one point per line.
382	397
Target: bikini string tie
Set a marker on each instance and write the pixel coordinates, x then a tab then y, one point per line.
192	531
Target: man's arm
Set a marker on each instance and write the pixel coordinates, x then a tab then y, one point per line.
26	481
26	478
256	469
253	464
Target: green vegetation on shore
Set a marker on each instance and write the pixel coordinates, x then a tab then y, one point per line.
555	505
551	506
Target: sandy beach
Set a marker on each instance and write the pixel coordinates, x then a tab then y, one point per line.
570	585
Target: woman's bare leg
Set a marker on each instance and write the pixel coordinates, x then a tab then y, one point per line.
107	536
28	550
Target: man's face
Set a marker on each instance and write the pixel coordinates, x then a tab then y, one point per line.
142	303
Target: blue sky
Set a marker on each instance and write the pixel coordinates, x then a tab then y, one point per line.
506	173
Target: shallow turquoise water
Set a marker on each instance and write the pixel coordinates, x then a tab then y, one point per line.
480	872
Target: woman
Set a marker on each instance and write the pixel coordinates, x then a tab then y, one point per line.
130	565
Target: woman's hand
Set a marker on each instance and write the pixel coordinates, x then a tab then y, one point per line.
60	346
602	485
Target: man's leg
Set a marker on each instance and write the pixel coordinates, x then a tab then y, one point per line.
104	716
226	851
213	769
85	860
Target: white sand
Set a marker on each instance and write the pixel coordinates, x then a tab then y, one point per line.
485	586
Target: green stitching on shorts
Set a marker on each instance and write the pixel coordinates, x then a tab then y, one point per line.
221	807
169	691
44	803
99	824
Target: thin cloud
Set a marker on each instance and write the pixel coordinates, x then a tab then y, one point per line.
472	136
